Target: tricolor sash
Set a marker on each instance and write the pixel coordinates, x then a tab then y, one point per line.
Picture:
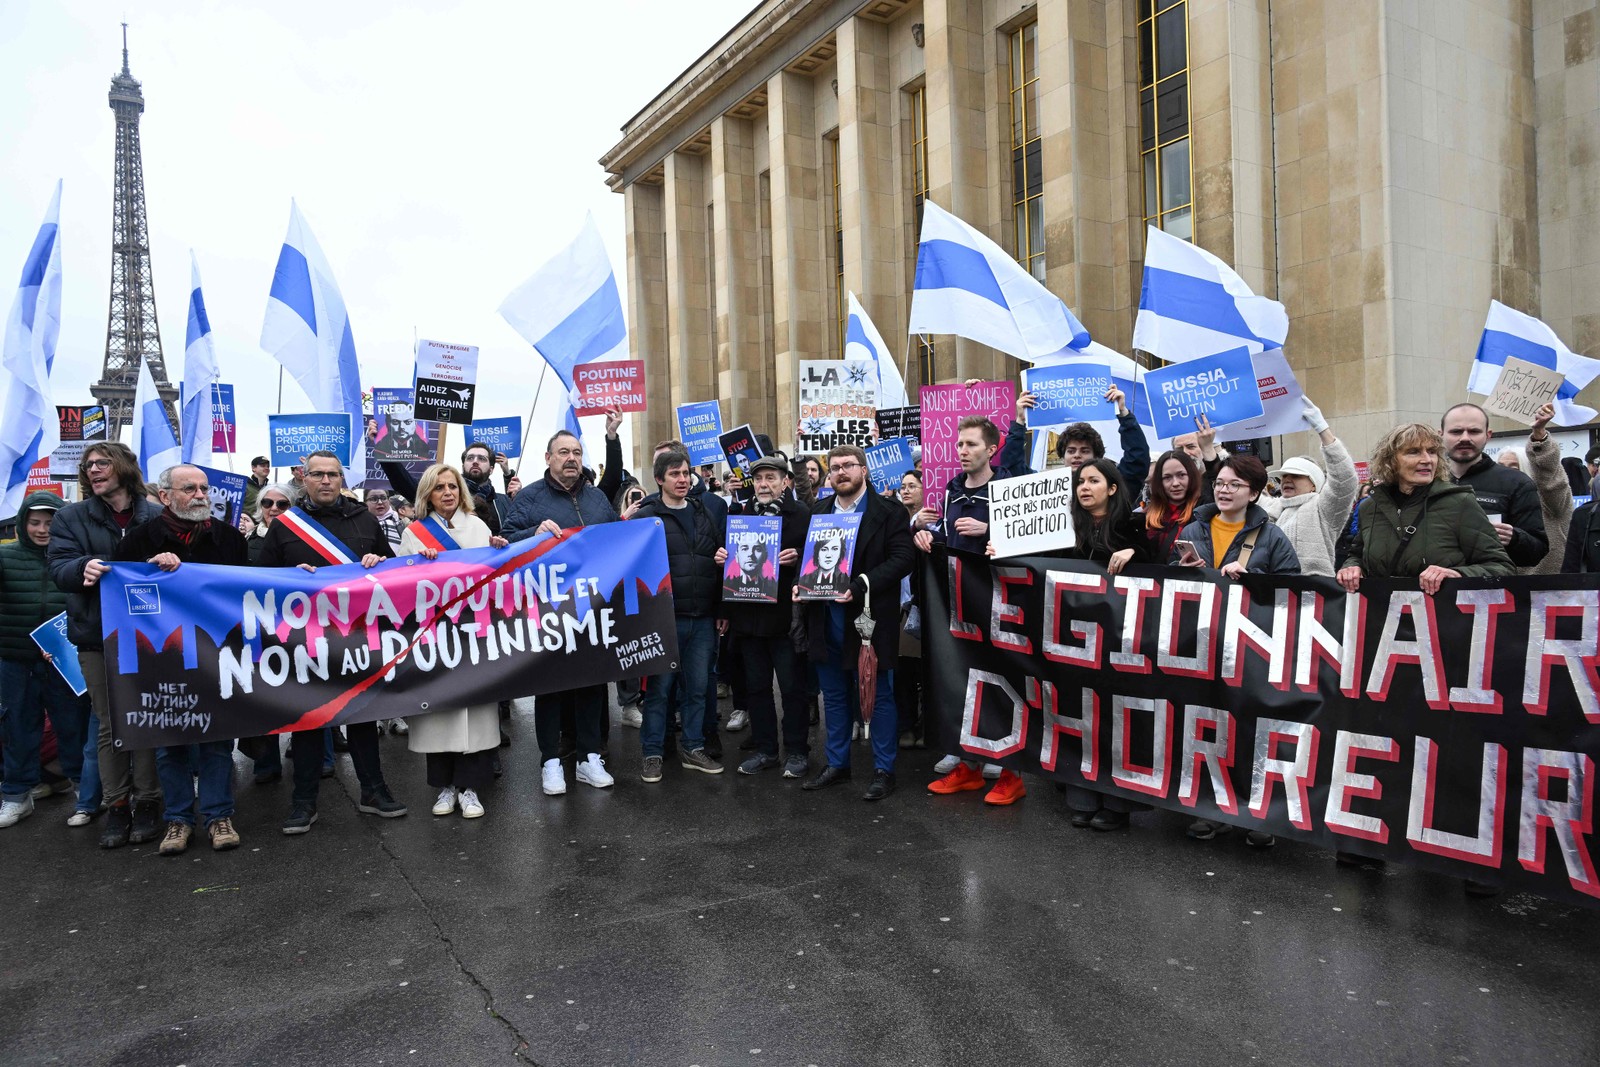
316	536
433	534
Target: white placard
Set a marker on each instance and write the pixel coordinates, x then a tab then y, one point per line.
1522	389
444	362
1032	513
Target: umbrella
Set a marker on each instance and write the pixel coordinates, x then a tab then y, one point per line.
867	663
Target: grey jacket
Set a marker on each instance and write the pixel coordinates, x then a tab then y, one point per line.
1314	521
1555	500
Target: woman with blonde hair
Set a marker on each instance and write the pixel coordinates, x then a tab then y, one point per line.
459	743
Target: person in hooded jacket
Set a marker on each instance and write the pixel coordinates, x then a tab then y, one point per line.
1314	507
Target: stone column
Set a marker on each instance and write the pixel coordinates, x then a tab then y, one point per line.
743	379
689	338
647	313
799	282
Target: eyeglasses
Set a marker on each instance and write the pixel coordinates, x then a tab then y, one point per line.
96	464
274	505
851	466
1232	487
323	476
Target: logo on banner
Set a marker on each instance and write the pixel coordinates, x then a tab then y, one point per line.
143	599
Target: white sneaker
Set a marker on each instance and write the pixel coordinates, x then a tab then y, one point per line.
398	726
15	809
472	807
555	780
946	765
81	818
446	802
632	717
592	771
738	720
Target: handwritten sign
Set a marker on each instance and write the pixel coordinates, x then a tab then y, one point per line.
1222	387
608	383
943	408
1522	389
1032	513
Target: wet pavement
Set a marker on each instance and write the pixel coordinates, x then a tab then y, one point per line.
736	920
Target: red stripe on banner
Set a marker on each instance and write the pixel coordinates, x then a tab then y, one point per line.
318	717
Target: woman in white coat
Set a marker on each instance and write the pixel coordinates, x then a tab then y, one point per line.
459	742
1315	506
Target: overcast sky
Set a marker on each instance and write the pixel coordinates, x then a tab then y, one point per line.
440	152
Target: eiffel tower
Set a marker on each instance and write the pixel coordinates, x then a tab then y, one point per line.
132	333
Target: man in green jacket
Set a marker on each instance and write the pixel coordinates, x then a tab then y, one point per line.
29	684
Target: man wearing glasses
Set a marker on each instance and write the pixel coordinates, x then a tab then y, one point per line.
884	554
83	538
361	538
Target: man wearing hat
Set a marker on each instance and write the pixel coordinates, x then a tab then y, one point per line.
29	684
761	644
1315	506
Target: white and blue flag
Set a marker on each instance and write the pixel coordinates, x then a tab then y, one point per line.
966	285
1125	375
1192	305
30	430
863	341
570	310
1511	333
153	441
307	329
200	376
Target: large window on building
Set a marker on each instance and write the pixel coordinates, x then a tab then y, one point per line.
838	251
919	196
1164	116
1027	178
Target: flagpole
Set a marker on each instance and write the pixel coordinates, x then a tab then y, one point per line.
280	412
905	363
528	426
216	399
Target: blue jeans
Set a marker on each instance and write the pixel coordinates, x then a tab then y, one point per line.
89	795
697	643
839	702
27	691
212	762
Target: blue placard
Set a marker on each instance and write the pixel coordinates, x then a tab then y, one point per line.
1070	392
293	437
1220	387
501	435
888	461
227	495
700	427
51	637
751	573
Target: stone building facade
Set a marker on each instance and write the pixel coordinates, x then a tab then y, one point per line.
1384	167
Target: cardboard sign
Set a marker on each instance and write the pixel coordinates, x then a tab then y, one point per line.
224	426
501	435
888	461
838	403
899	422
51	637
1069	392
741	449
608	384
943	408
700	429
79	426
827	563
1522	389
1221	387
227	495
446	377
400	436
751	573
293	437
1032	513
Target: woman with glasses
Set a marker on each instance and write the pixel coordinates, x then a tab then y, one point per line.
271	502
1234	535
266	752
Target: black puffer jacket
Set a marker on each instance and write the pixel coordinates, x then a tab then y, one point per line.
27	598
1513	496
696	575
81	532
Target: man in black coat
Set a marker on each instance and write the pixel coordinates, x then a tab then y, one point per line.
362	539
884	554
185	532
760	633
1507	496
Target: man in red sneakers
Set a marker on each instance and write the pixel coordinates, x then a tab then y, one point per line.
965	526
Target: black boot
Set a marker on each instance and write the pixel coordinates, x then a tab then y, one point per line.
146	822
119	821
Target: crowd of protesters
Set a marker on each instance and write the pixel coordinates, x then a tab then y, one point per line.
1435	507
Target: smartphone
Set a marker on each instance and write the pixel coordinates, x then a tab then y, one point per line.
1188	555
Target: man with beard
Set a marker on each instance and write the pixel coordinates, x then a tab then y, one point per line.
293	541
1507	496
400	439
83	537
478	461
185	532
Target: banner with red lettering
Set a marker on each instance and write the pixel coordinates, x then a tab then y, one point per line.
1457	732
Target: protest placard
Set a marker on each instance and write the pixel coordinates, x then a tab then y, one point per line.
39	478
838	403
608	384
227	495
943	408
1069	392
741	449
899	422
1222	387
1032	513
700	429
1281	407
751	573
501	435
224	425
79	426
292	437
1522	389
888	461
51	637
401	436
827	561
446	381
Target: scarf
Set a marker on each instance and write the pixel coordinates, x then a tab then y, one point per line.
184	531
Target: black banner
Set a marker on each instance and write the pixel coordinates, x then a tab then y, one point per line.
1456	732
